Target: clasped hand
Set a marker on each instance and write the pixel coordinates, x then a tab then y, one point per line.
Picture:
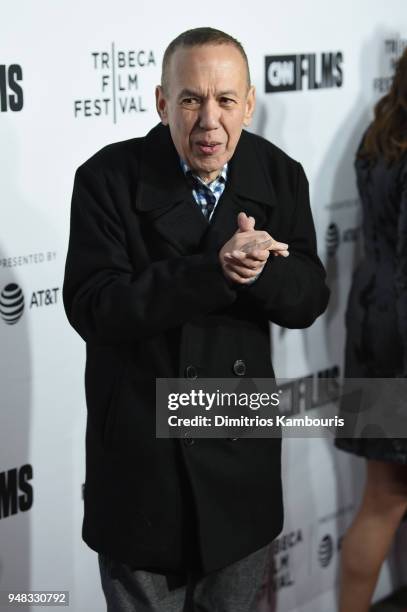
241	259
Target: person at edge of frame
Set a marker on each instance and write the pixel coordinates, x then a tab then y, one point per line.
376	343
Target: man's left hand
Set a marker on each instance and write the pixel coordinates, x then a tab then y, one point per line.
255	259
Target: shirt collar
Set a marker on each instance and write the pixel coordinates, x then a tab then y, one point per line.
222	176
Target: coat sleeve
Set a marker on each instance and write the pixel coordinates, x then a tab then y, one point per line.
105	301
401	270
291	291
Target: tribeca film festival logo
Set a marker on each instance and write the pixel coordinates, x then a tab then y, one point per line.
282	567
393	48
303	71
12	301
11	92
119	76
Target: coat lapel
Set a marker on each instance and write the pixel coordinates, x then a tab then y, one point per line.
165	199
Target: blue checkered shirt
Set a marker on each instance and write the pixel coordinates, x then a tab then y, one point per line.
206	195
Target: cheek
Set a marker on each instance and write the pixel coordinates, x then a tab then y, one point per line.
233	128
185	122
233	137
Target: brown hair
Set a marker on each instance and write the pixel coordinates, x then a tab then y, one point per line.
196	38
387	134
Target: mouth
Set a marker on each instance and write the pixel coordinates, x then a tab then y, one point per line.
208	148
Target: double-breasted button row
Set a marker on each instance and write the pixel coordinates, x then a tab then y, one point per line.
239	368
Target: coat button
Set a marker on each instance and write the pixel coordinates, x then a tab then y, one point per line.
190	372
239	367
189	442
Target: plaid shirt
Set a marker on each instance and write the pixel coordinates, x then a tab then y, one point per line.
206	195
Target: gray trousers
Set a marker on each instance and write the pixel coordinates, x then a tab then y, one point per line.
234	588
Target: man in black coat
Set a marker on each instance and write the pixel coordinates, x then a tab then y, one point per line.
160	283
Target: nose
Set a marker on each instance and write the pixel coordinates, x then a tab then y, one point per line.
209	115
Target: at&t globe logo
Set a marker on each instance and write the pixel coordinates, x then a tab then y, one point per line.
325	550
332	239
11	303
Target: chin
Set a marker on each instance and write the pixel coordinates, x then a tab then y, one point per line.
213	164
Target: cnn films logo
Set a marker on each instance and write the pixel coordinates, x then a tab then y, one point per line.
119	77
12	301
16	492
303	71
310	392
11	92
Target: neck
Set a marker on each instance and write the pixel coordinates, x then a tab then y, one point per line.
208	177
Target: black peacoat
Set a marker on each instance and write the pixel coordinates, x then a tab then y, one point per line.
145	290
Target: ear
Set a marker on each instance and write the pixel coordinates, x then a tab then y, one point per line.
250	105
161	104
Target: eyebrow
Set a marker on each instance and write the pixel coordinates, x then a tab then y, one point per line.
195	94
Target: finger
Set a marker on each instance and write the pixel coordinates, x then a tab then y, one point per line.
243	271
240	255
248	262
245	223
237	279
258	255
281	253
256	244
262	240
278	246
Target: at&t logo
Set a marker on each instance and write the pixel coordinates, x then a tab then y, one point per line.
325	550
332	239
334	236
11	303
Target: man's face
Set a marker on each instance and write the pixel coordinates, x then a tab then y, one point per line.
206	104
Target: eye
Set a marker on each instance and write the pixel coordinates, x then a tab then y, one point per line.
225	101
190	101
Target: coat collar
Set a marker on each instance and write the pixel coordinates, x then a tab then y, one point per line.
162	182
166	200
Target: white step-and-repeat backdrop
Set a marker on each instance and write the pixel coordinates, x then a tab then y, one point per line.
76	76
